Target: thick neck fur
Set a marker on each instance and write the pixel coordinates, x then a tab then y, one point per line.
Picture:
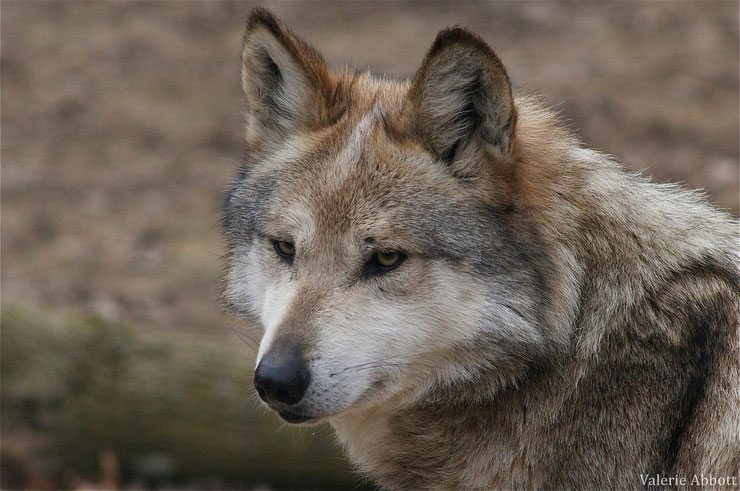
603	232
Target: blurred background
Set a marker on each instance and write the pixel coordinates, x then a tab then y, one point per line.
121	127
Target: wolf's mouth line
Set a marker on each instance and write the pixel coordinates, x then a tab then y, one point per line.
293	416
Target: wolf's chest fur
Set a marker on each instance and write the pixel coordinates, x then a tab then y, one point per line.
470	297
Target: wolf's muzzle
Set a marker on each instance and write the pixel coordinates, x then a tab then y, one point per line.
282	377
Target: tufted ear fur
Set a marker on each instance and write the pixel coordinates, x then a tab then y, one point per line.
460	101
286	82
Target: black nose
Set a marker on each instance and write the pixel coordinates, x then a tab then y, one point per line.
282	376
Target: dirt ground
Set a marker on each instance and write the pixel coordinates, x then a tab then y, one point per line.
121	123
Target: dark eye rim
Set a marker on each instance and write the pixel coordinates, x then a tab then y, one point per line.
374	268
284	256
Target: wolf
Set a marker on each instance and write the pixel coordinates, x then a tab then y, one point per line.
471	297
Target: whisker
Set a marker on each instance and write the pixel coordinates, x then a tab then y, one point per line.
370	362
378	365
212	253
243	334
246	339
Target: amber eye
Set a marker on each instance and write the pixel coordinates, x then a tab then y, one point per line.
382	262
389	259
285	250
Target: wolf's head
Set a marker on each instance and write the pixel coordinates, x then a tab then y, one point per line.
372	231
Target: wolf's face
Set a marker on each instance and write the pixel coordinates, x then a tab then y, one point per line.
367	232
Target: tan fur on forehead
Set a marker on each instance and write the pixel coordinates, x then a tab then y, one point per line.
368	182
366	93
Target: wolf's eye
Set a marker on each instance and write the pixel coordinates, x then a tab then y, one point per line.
383	262
285	250
389	259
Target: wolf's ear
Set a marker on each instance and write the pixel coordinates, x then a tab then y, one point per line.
460	100
286	81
